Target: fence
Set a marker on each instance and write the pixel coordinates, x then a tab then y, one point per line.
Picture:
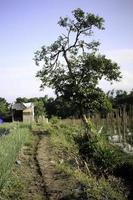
118	125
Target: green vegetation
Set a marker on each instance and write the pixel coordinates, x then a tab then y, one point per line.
10	146
90	165
13	189
64	108
121	97
4	108
39	104
96	167
73	66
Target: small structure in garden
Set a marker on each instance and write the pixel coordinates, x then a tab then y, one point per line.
23	112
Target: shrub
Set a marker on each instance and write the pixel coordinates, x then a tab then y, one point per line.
54	120
98	150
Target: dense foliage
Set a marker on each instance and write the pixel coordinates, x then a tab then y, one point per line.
63	108
72	65
4	108
121	97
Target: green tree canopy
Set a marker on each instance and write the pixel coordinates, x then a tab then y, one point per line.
4	108
39	108
73	66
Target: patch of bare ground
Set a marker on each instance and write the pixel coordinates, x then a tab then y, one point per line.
59	186
31	172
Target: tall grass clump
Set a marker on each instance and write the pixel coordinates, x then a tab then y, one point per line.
10	145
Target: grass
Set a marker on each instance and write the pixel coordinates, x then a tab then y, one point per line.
68	160
10	145
66	153
14	189
95	189
23	182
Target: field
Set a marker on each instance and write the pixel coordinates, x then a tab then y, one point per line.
57	153
96	168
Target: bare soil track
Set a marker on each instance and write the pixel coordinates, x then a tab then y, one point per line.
35	175
56	184
29	171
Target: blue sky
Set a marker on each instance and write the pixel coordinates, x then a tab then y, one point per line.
25	25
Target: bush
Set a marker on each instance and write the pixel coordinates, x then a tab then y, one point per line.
54	120
105	156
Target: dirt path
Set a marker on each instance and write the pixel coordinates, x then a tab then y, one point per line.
26	181
30	172
58	185
55	183
42	180
35	177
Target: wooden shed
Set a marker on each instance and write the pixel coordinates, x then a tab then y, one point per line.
23	112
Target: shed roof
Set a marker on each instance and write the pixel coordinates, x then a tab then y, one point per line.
28	105
22	106
18	106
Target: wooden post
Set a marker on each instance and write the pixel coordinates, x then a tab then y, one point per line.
124	123
118	121
12	113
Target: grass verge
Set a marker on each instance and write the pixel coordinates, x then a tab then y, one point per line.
10	145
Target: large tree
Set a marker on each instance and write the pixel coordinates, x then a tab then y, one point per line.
73	66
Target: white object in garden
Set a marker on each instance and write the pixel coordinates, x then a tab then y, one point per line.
128	148
115	138
100	130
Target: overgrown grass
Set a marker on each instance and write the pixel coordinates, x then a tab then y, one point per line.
13	189
95	189
10	146
69	160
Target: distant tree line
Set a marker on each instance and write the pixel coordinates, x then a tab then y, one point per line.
51	107
4	109
45	106
121	98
